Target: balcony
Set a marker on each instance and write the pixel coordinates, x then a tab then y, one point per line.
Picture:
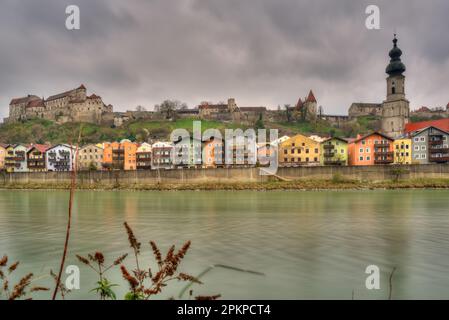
333	162
436	142
439	159
328	146
383	161
382	145
384	153
439	150
328	154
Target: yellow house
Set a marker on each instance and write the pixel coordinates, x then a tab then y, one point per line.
2	155
299	150
402	151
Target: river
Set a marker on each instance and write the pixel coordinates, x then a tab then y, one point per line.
309	245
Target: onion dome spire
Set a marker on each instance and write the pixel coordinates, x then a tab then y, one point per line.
395	67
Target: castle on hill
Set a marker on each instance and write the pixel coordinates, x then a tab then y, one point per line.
70	106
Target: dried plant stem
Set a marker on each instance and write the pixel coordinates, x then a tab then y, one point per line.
69	221
391	283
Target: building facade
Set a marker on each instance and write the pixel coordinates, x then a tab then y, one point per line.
90	157
299	150
144	156
36	158
15	158
371	149
2	156
430	145
334	152
162	155
402	151
61	157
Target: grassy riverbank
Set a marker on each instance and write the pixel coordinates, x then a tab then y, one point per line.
335	184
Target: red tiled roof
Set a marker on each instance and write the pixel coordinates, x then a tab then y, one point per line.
35	103
423	109
311	97
442	124
24	99
40	147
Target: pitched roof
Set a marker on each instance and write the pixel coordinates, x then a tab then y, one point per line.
40	147
60	95
311	97
370	134
24	99
442	124
414	133
336	138
35	103
82	87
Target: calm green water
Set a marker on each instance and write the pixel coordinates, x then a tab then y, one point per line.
309	244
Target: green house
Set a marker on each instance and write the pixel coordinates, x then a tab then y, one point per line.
334	152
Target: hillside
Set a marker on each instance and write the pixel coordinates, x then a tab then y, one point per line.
40	131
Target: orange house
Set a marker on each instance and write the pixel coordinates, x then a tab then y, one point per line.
371	149
120	155
213	153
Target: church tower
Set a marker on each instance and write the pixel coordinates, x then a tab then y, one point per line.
395	109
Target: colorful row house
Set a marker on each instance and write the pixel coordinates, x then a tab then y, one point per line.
36	156
334	152
402	151
371	149
90	157
162	155
2	155
15	158
119	155
144	156
61	157
430	145
299	150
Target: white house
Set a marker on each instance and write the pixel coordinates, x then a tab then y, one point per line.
60	157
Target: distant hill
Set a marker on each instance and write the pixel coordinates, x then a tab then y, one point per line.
41	131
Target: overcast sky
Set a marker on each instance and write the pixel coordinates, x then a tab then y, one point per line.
261	52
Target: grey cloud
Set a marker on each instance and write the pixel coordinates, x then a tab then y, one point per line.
262	52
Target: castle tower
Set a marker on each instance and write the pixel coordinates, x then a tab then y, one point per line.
395	109
310	105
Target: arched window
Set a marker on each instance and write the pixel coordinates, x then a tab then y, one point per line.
393	87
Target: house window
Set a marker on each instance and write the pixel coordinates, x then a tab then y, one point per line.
416	139
423	148
368	158
367	150
423	139
361	150
423	155
416	148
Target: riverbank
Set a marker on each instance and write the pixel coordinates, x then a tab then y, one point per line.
302	184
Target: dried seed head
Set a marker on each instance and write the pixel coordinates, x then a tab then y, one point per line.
132	239
83	260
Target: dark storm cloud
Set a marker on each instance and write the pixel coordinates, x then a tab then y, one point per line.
262	52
